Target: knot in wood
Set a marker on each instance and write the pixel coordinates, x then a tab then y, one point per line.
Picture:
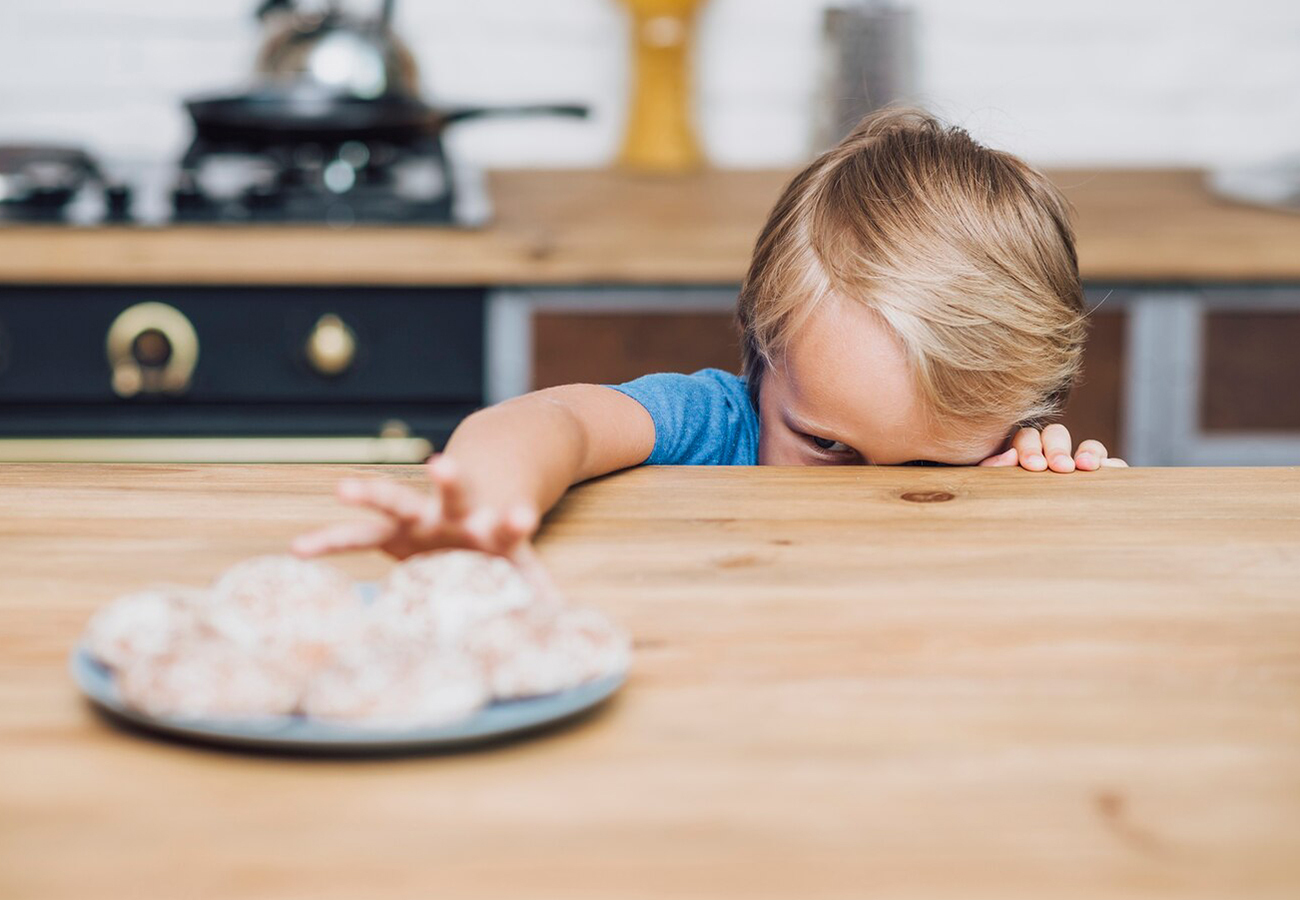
927	496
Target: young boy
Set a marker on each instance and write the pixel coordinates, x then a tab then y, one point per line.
914	299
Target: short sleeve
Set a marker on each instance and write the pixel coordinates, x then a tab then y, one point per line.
703	419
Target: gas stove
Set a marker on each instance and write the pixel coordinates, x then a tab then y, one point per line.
238	373
338	184
338	181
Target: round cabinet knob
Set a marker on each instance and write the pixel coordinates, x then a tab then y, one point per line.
152	349
331	346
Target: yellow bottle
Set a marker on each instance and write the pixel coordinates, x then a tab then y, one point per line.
660	133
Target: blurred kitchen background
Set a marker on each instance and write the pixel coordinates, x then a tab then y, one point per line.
374	217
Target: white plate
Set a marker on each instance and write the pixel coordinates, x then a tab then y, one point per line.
298	733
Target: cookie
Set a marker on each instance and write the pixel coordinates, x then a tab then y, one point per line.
208	678
393	682
528	653
282	607
442	596
145	623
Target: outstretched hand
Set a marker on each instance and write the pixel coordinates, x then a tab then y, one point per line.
1050	449
413	521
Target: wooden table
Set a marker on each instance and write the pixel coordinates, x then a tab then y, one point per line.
847	685
607	228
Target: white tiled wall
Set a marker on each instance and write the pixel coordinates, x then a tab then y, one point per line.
1106	81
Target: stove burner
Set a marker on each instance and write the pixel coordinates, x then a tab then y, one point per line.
339	182
39	182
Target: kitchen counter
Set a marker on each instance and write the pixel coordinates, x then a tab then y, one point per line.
600	227
905	682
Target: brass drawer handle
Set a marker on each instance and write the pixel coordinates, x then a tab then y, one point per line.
331	346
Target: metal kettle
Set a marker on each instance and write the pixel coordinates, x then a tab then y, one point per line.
326	47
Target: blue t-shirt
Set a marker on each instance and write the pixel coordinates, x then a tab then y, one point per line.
705	419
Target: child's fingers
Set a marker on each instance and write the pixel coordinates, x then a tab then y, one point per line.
442	470
387	497
1114	463
1028	444
428	522
516	525
1006	458
523	520
504	536
1056	447
480	527
339	538
1090	455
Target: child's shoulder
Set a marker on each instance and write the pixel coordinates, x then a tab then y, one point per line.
703	380
704	418
696	390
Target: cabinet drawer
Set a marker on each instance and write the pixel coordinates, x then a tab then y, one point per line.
252	344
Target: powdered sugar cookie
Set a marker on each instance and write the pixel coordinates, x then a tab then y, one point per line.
443	595
145	623
280	606
208	678
531	652
269	588
395	683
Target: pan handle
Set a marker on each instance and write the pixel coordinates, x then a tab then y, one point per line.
461	113
266	7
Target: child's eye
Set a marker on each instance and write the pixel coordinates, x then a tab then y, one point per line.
829	445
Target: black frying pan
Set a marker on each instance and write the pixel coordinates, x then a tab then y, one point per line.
302	113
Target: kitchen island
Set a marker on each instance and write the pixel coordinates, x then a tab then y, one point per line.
849	682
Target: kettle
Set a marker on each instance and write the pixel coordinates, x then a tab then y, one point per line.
325	47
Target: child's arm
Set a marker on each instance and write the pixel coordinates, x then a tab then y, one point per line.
503	468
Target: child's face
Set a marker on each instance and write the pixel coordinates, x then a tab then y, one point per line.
842	394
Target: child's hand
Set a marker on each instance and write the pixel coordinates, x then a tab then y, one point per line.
1050	449
414	522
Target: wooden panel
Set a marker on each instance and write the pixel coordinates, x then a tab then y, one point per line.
837	691
1251	372
1095	409
607	348
604	227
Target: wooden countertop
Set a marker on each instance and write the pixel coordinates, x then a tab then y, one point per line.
1048	686
601	227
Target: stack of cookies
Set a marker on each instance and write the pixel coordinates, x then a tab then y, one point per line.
275	636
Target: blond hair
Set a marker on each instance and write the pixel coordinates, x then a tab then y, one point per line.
966	253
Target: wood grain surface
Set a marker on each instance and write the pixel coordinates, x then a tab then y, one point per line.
904	683
604	227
